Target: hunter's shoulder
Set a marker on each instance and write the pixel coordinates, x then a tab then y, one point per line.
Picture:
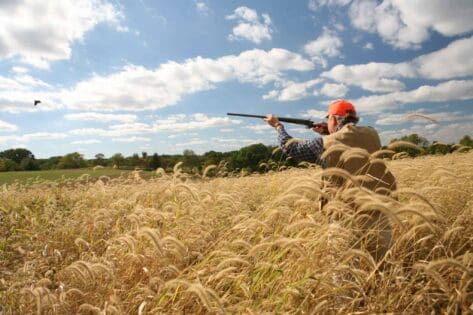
368	128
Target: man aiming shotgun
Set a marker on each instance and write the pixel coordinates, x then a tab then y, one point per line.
341	114
341	129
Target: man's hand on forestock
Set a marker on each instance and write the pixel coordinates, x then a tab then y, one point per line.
272	120
320	128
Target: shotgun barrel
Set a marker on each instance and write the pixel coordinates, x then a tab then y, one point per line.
305	122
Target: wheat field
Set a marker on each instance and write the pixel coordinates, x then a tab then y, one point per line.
240	244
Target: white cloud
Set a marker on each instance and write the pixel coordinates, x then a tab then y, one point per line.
18	93
368	46
9	84
334	90
44	136
390	119
183	134
90	141
100	117
235	143
292	91
192	142
315	113
38	136
441	117
326	45
250	26
131	139
262	128
314	5
338	26
273	94
245	14
383	85
198	121
88	132
382	77
175	123
136	88
29	81
406	24
114	130
40	32
21	82
448	19
4	126
129	129
446	91
201	6
455	60
373	76
20	70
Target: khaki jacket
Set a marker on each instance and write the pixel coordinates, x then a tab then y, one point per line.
360	142
350	149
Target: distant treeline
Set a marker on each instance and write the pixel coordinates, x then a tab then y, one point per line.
256	157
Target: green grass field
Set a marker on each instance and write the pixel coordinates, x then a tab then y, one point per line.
54	175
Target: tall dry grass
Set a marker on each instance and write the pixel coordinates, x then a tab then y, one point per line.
251	244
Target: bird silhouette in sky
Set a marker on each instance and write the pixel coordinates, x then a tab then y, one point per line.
36	102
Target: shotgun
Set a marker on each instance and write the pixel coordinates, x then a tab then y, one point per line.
305	122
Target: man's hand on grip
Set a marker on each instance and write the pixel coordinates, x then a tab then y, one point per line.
272	120
321	128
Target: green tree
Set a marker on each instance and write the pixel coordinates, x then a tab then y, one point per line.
72	160
190	159
29	164
466	141
439	148
144	159
415	139
8	165
16	155
250	157
154	162
135	160
100	159
50	163
212	158
117	159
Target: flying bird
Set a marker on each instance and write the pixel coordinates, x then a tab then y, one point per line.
36	102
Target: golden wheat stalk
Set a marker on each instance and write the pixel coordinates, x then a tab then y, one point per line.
402	144
415	116
154	236
338	148
208	169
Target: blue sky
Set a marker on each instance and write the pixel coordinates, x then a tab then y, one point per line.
160	76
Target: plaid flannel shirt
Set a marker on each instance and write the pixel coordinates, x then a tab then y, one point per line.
307	150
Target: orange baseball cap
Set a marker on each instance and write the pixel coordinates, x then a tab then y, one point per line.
341	108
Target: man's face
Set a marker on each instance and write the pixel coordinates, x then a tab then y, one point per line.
331	124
